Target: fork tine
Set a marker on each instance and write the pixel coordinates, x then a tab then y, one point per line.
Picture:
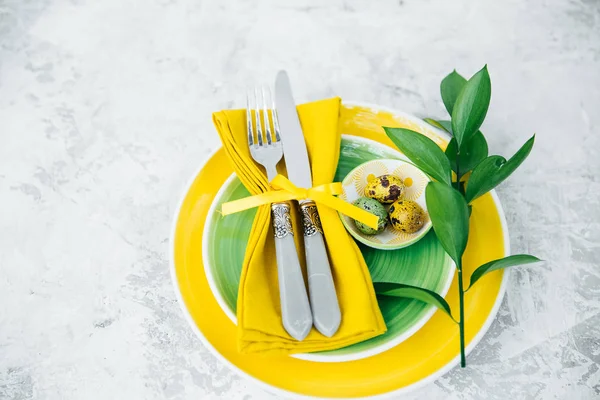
257	116
265	89
249	121
275	120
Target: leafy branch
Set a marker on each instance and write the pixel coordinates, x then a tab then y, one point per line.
449	200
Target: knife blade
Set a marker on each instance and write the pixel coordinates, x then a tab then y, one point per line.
294	146
324	302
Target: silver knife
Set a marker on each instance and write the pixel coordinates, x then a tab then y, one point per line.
323	298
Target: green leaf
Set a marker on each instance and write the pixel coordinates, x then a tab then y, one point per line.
447	125
494	170
471	106
443	125
435	123
472	152
423	152
449	215
450	87
413	292
511	261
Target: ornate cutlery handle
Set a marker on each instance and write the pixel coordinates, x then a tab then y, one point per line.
295	309
323	298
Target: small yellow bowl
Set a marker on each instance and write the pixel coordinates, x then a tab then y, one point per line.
415	181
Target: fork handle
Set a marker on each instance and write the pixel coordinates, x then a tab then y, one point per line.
323	298
295	309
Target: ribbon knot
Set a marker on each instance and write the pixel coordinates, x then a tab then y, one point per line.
286	190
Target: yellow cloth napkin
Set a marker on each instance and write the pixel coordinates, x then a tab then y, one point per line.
260	329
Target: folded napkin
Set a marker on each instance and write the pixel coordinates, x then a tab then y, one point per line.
260	329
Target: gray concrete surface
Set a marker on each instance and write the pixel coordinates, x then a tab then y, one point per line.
105	113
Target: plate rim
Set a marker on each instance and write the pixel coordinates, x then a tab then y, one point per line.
212	284
318	357
275	390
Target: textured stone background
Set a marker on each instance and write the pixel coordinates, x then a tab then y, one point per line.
105	113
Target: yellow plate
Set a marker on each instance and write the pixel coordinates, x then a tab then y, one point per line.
422	358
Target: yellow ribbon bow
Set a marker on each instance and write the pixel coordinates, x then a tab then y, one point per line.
322	194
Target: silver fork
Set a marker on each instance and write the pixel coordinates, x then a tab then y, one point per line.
295	308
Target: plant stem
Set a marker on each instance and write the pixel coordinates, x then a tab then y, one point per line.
461	291
461	324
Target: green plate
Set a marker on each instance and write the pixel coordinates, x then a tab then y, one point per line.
423	264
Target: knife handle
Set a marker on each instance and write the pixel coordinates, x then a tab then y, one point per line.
295	309
323	298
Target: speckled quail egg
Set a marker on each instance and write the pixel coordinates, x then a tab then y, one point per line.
385	188
407	216
374	207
